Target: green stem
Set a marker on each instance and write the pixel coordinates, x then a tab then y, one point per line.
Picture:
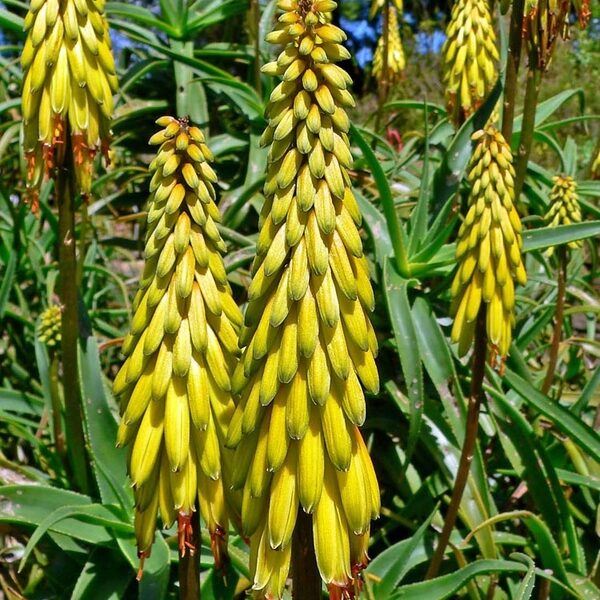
468	449
190	95
558	319
83	229
512	68
59	436
189	565
305	573
67	265
532	90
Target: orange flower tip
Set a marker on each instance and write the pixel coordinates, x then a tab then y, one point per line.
142	555
218	545
341	592
185	533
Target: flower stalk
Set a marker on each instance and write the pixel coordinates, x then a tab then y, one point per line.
476	398
564	209
67	266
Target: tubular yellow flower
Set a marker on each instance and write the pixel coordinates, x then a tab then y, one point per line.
469	57
69	79
564	205
488	249
396	61
309	345
182	347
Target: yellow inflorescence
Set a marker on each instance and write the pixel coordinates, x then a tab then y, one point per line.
69	80
175	384
309	345
564	205
48	330
396	61
469	57
488	249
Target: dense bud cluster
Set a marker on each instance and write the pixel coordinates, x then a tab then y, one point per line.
181	350
564	205
69	79
48	329
469	57
309	345
488	249
396	61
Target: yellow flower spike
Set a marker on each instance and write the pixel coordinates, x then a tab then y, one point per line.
396	61
488	248
469	58
564	206
181	352
68	83
307	339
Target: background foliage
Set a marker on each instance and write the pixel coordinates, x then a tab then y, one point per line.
528	523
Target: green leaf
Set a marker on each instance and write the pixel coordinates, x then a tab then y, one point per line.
447	585
545	237
394	562
387	203
30	505
587	393
108	462
548	107
375	223
396	293
7	281
418	218
94	514
155	579
561	418
526	586
11	22
99	580
415	104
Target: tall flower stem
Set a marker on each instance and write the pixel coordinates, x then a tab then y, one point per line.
67	256
59	436
512	68
558	319
532	89
306	578
189	565
468	449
